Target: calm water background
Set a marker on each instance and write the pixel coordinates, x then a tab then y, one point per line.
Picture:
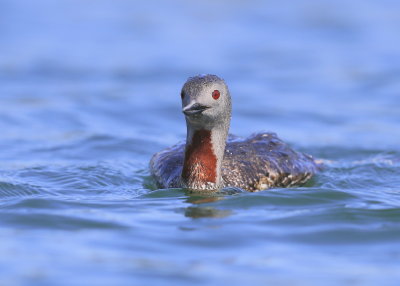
90	90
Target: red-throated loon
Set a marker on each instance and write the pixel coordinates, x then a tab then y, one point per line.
211	159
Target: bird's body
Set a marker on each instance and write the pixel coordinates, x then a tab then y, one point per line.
211	160
258	162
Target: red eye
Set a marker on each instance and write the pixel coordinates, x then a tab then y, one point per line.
216	94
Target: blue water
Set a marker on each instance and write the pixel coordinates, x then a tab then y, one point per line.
89	90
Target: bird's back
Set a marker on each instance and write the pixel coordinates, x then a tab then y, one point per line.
258	162
263	161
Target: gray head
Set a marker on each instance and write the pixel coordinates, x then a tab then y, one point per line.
206	102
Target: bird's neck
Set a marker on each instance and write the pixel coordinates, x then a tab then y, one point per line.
203	158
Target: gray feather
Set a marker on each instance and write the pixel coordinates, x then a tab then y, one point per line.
258	162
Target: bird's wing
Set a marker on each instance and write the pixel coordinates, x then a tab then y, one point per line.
263	161
166	166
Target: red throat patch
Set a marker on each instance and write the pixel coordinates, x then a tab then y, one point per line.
200	163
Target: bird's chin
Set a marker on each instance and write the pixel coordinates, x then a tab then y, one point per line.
201	122
194	115
196	119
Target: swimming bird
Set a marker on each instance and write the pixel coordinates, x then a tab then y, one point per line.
211	159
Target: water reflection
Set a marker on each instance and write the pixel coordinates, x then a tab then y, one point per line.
202	212
199	210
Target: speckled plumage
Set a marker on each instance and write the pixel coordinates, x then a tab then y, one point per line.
212	160
258	162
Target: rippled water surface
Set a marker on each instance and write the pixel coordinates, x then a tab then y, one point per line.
90	90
